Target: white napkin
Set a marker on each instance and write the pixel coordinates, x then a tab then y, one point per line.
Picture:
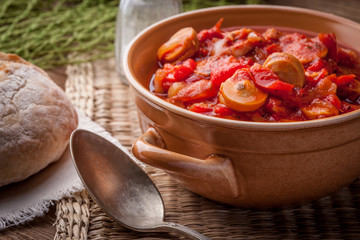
23	201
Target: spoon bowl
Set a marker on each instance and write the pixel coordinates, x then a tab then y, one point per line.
119	186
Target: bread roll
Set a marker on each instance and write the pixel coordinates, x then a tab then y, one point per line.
36	119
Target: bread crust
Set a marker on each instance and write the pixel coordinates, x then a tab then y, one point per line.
36	119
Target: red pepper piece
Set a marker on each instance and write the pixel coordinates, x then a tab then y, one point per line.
344	80
214	32
272	48
180	72
347	57
313	79
202	89
329	40
317	65
334	100
201	107
221	74
204	67
268	81
223	110
226	67
246	62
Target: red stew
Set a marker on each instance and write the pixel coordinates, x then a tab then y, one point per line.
246	75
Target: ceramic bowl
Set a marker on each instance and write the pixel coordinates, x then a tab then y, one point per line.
247	164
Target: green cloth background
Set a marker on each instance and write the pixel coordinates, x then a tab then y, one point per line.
44	32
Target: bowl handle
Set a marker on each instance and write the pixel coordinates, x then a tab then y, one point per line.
149	148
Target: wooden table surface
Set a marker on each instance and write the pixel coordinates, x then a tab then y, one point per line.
43	227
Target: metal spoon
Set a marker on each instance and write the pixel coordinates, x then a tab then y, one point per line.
120	187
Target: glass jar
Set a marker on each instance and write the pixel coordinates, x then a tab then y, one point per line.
135	15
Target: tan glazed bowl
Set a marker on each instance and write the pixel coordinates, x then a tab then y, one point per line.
247	164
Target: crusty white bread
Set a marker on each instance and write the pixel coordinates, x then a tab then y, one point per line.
36	119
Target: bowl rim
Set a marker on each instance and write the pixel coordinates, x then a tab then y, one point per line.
263	126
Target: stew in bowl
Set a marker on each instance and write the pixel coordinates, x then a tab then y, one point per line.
263	76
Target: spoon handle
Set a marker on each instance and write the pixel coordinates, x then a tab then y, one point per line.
183	230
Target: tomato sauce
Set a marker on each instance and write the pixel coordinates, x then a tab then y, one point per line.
262	76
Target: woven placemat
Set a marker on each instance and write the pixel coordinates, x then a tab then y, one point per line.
96	89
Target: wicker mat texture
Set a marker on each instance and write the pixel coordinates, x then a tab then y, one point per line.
96	89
